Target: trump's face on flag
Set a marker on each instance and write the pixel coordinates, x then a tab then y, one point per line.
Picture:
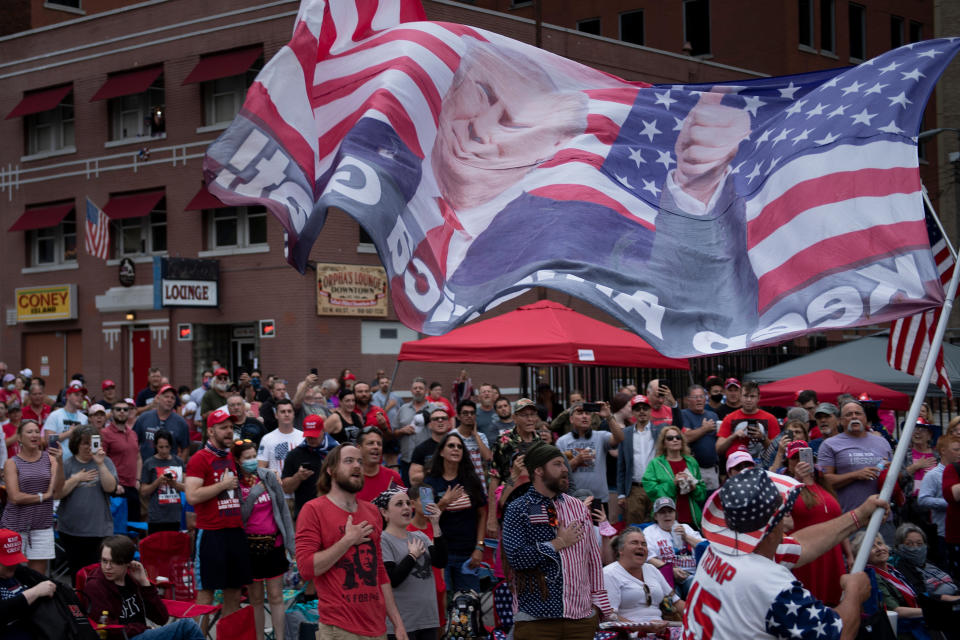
502	117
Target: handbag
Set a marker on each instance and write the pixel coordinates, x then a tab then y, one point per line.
261	545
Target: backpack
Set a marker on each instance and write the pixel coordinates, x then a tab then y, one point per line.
60	617
463	617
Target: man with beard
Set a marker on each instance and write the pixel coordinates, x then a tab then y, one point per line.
486	413
244	426
408	432
503	421
268	410
376	477
146	395
223	557
828	423
216	397
852	461
548	542
374	416
338	542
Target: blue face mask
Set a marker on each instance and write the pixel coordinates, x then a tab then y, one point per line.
250	466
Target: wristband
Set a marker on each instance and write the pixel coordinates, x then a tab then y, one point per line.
856	520
40	495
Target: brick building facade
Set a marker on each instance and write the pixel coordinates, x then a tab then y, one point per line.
109	66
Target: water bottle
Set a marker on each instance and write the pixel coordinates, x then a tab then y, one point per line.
678	542
102	630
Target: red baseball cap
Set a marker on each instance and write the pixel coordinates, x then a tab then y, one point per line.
107	384
639	399
313	426
731	382
218	416
349	376
221	372
76	386
12	552
794	447
167	387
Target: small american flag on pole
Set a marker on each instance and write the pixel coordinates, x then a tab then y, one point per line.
910	337
97	231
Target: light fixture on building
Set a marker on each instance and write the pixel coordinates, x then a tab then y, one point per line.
130	316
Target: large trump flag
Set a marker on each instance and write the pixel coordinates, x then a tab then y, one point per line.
706	218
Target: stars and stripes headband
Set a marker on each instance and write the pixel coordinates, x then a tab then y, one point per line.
748	506
382	501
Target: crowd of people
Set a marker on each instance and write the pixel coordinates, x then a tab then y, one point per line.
705	515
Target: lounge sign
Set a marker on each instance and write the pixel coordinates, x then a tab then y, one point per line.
38	304
185	282
351	290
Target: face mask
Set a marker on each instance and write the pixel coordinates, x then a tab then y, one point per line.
185	398
11	387
914	555
250	466
717	397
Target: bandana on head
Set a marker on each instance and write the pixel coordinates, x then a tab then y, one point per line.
382	501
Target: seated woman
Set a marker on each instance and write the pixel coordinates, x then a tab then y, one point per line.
895	592
662	544
120	587
20	588
634	586
911	561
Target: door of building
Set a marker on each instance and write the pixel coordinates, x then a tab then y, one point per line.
139	360
53	356
244	356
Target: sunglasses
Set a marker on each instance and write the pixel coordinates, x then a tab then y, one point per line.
439	418
672	438
454	445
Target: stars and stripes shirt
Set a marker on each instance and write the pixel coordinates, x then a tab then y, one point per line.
573	576
751	596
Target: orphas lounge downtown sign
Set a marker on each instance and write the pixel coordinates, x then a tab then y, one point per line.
185	282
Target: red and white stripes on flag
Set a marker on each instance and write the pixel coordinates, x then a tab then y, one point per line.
910	338
96	231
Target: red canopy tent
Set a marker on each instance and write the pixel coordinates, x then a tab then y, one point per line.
829	384
541	333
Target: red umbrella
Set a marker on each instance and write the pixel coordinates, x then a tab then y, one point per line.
541	333
829	384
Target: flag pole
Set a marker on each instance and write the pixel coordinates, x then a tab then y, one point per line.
901	452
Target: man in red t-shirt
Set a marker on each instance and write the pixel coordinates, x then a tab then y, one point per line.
338	547
36	409
748	428
376	477
211	487
373	416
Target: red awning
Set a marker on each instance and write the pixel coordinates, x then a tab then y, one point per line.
127	83
42	217
135	205
205	200
223	65
39	101
541	333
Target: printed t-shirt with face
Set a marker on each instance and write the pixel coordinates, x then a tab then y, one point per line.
353	584
223	510
846	453
165	501
274	448
750	596
660	545
768	422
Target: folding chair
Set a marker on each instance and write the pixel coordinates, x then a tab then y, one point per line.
94	616
169	555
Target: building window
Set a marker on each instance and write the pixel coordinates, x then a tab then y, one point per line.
140	114
237	227
65	3
858	32
828	27
590	25
50	130
805	22
141	236
916	31
222	98
631	27
696	26
896	32
54	245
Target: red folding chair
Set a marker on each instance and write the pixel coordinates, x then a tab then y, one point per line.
81	582
169	555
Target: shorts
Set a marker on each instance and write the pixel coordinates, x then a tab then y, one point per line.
38	544
269	566
222	559
330	632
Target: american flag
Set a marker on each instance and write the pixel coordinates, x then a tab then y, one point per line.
97	231
538	514
816	222
910	338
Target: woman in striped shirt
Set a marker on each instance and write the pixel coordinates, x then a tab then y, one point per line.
33	477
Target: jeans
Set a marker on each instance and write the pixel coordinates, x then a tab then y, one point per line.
179	629
456	579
